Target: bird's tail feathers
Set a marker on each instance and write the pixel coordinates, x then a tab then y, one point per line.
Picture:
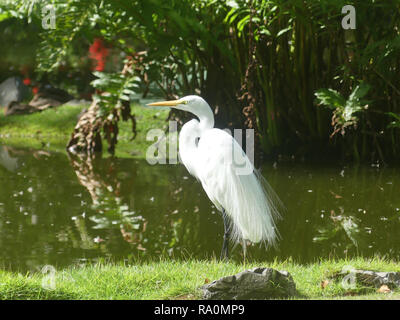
253	209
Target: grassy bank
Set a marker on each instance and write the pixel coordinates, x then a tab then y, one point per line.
167	279
52	128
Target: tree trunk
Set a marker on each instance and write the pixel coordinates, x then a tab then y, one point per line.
86	136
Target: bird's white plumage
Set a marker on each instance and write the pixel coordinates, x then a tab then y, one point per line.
219	163
221	170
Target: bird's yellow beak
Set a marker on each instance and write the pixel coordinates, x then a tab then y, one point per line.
170	103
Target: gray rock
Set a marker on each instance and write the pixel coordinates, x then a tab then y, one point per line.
376	279
12	89
15	107
48	97
257	283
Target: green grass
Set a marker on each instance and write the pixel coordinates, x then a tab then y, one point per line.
56	122
52	128
166	279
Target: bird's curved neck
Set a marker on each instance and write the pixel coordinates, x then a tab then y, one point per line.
206	118
188	136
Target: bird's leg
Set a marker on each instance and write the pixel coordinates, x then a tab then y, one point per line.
244	246
225	244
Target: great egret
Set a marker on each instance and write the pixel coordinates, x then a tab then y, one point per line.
215	158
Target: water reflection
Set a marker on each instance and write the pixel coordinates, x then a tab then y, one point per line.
6	160
106	201
58	209
339	229
136	209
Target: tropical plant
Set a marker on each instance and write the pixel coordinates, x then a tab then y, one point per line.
257	62
344	111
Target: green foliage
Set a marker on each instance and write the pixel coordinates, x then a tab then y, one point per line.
116	88
343	110
279	52
395	120
330	98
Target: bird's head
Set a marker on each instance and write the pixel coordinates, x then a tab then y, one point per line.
189	103
193	104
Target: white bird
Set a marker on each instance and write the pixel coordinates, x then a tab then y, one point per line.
215	158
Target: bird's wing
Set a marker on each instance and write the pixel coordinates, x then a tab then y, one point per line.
230	181
214	157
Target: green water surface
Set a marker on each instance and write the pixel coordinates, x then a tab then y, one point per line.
60	210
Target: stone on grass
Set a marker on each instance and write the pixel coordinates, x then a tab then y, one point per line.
12	89
257	283
376	279
48	97
15	107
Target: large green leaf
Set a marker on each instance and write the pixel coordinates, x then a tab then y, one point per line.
330	98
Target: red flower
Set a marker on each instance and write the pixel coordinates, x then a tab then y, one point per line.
98	52
27	81
35	90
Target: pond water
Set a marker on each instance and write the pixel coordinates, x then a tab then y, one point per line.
60	210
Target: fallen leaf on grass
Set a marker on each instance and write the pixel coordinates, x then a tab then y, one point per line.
206	280
384	289
324	284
